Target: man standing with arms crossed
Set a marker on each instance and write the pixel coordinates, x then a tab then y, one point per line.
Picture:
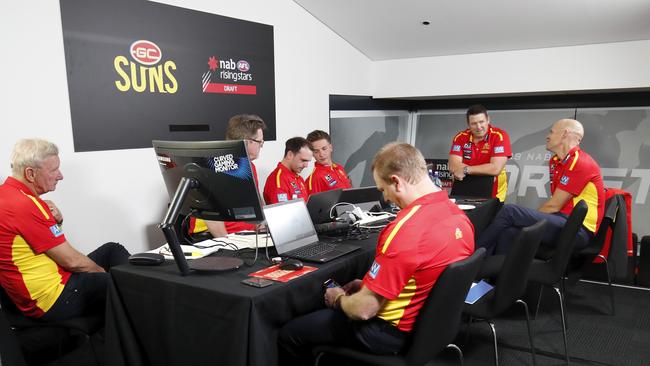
482	149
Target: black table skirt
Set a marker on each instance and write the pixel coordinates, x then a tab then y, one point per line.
157	317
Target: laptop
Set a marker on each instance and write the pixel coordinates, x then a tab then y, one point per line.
320	204
294	235
366	198
473	187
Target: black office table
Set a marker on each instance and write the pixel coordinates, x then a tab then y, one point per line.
157	317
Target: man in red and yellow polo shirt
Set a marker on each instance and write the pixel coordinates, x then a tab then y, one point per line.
428	234
42	273
482	149
285	183
574	176
327	175
250	128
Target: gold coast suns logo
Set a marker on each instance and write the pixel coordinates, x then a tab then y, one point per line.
145	72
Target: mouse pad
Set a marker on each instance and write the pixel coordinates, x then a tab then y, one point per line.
276	274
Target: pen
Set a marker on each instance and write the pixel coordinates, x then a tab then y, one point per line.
192	254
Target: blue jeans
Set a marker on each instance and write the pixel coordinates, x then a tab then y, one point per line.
498	237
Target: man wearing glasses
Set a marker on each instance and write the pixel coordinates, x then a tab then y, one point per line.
250	128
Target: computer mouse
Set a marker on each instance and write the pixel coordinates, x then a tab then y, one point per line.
291	265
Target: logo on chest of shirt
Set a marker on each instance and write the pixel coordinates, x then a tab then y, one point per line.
564	180
374	269
282	197
330	181
458	234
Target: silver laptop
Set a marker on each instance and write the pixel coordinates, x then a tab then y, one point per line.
294	235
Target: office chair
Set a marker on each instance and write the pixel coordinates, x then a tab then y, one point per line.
482	215
436	325
584	258
63	330
551	272
511	275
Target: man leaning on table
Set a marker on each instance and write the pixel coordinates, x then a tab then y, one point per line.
481	149
377	314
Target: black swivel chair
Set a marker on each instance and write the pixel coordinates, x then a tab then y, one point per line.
482	215
436	325
584	258
19	325
551	272
511	276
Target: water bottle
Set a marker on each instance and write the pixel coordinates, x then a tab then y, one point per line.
436	179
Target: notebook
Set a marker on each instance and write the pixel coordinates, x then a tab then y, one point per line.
366	198
294	235
320	204
473	187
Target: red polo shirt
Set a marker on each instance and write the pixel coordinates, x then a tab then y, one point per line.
32	280
284	185
412	252
327	177
496	143
579	174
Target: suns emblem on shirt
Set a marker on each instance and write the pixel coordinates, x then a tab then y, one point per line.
459	234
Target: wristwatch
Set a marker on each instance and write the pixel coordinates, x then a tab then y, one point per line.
466	170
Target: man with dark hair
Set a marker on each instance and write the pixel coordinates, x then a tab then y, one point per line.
481	149
574	176
285	183
250	128
43	274
327	175
378	313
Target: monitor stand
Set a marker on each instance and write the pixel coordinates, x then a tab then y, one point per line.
205	264
215	264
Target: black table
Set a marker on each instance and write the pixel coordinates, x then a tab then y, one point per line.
157	317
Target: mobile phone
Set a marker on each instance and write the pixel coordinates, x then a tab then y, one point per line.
330	284
257	282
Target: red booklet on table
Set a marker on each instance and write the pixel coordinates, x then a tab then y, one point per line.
276	274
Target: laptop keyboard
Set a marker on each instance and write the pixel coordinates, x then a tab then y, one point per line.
313	250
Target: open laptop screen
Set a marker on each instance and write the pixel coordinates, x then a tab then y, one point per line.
290	225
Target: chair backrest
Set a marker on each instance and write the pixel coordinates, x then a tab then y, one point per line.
483	214
566	240
512	279
438	321
598	241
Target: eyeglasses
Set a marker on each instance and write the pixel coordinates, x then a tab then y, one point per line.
261	142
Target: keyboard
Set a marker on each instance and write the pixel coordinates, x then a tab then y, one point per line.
316	249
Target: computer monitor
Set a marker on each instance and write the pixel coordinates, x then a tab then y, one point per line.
212	180
226	188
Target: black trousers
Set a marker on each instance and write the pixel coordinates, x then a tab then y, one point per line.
85	293
333	327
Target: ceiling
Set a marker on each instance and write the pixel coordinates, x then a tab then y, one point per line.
393	29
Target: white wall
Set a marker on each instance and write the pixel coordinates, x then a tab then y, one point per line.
119	195
591	67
